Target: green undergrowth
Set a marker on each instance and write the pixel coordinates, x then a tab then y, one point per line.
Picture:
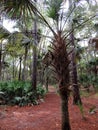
84	93
87	94
19	93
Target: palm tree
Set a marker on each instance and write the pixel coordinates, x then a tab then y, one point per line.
58	58
59	51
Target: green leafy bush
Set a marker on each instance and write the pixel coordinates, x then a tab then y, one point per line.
20	93
40	91
87	80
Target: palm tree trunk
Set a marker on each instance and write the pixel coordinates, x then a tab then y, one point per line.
34	73
64	108
64	94
61	66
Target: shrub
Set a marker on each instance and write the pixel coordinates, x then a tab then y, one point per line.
40	90
87	80
20	93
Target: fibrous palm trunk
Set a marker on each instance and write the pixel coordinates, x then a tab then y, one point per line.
60	63
64	108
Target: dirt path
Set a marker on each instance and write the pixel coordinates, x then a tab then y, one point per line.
47	115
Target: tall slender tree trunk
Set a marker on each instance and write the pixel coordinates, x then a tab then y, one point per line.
76	93
24	68
46	77
47	82
2	68
95	66
34	73
42	75
13	68
20	60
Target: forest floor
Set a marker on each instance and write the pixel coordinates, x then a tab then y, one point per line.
47	115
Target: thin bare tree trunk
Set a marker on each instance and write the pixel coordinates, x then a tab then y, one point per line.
13	69
24	69
76	93
34	73
19	77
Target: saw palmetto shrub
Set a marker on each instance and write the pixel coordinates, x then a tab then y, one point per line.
19	93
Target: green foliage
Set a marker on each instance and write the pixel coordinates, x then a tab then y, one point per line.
87	80
54	8
14	46
89	73
2	97
40	90
20	93
83	79
92	63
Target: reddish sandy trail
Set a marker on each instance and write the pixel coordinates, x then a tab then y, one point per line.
47	115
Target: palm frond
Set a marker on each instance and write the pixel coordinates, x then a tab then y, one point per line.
18	8
22	9
54	8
